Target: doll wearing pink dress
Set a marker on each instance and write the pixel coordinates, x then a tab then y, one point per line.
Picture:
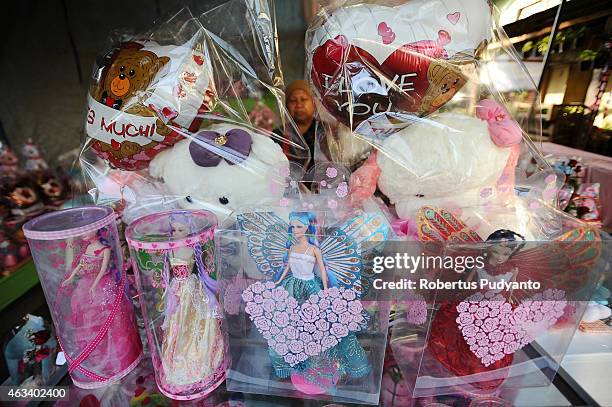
97	303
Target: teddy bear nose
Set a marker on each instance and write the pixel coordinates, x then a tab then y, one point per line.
121	76
223	200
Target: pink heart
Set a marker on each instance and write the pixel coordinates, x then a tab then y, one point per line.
493	329
454	17
154	245
297	332
387	34
169	113
188	241
171	244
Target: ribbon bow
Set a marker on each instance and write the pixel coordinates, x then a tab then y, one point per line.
209	147
504	131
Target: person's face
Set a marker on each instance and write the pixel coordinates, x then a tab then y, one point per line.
300	106
179	230
499	254
299	229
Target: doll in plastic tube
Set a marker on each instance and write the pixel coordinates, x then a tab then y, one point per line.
94	294
192	346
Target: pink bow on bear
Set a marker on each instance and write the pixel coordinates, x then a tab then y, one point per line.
504	131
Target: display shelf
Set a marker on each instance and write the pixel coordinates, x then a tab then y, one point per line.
586	366
17	283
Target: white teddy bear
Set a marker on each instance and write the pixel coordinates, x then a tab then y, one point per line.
223	168
447	160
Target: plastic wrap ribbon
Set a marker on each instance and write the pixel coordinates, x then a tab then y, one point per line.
504	131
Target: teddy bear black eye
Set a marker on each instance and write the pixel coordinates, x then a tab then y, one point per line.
132	72
223	200
122	68
188	199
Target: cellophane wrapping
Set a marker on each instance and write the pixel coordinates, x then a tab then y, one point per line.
170	120
78	257
173	257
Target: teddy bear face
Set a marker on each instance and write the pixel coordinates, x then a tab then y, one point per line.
240	175
446	80
448	157
131	71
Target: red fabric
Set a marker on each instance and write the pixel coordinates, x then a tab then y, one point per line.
447	345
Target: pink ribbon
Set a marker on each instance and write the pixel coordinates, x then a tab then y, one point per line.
504	131
363	180
405	228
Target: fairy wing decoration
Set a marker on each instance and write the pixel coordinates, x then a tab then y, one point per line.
266	236
572	253
341	247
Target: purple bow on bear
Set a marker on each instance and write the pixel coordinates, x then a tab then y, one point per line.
209	147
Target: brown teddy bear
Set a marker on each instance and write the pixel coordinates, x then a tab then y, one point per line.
127	80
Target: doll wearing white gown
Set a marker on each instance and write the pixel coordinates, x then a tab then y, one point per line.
192	346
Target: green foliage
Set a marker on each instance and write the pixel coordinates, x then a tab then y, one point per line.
588	55
528	46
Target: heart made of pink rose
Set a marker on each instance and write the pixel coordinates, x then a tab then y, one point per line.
297	332
493	329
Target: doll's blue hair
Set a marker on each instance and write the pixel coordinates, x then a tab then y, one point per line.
308	219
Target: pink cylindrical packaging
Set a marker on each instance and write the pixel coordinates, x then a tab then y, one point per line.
78	257
173	257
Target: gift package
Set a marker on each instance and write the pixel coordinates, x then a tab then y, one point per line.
281	269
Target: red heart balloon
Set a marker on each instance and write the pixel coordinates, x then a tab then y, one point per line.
416	78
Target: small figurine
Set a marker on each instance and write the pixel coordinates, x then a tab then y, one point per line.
34	161
21	196
52	187
9	163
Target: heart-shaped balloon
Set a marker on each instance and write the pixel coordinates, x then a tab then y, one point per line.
367	61
297	332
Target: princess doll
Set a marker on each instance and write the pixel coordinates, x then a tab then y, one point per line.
192	349
318	373
95	292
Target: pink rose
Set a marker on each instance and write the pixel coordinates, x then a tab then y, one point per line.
281	348
482	351
275	330
253	309
482	313
349	295
483	342
269	285
496	335
262	323
487	360
280	294
257	288
339	330
324	303
469	331
333	292
302	356
345	318
494	312
280	338
480	335
291	359
332	317
355	307
497	348
267	335
281	319
353	326
462	307
292	303
509	338
490	324
310	327
294	317
296	346
309	312
323	325
268	305
290	332
267	294
470	341
306	337
258	299
465	319
318	335
329	341
247	296
313	349
473	308
510	348
339	306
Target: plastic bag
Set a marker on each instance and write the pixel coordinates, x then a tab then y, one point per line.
182	134
431	88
